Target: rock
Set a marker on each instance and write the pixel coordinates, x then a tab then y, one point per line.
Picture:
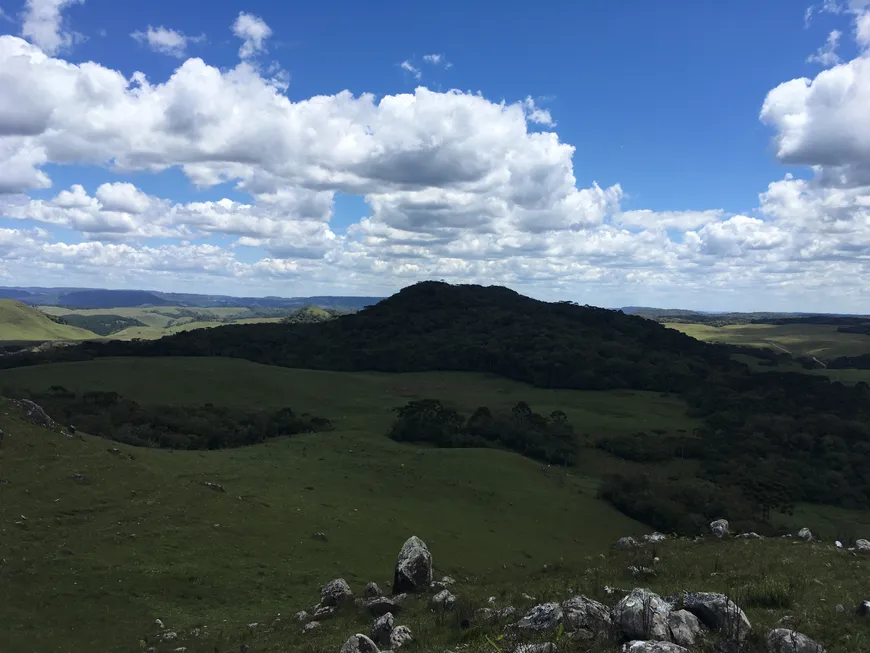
372	591
443	599
783	640
546	616
508	611
169	636
839	608
642	572
626	543
750	536
400	636
720	527
448	581
587	615
34	413
302	616
838	544
381	605
359	644
862	545
864	609
158	623
382	628
413	567
336	592
548	647
805	534
527	597
718	612
80	478
685	628
653	538
310	626
485	614
653	647
642	615
320	537
323	612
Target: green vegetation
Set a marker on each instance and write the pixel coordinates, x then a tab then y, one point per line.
102	325
22	323
823	341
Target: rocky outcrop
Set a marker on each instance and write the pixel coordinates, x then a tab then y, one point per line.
336	592
783	640
587	617
685	628
642	615
413	568
359	644
718	612
653	647
547	616
720	528
34	413
382	628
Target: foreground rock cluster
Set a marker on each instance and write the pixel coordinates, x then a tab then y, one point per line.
640	622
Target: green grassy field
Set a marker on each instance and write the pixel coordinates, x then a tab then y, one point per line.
22	323
822	341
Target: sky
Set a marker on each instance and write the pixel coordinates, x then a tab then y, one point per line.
713	156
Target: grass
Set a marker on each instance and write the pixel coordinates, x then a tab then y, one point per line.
822	341
22	323
91	566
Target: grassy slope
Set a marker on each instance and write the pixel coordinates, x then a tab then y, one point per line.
92	566
823	341
19	322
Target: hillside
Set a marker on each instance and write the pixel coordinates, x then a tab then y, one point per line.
21	323
111	299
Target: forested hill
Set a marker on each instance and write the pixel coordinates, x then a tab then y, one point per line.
437	326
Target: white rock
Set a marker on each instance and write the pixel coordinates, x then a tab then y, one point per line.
310	626
336	592
584	614
301	616
359	644
382	628
546	616
805	534
400	636
685	628
158	623
718	612
862	545
642	615
783	640
443	599
626	543
838	544
548	647
413	567
653	538
720	528
653	647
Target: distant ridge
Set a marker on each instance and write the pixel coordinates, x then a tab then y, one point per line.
111	299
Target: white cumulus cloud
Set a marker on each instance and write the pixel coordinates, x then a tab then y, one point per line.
166	41
43	24
253	31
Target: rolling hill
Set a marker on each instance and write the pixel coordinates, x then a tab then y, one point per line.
22	323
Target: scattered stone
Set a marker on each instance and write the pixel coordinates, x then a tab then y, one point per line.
508	611
685	628
320	537
413	567
642	615
335	592
626	543
323	612
587	616
382	628
253	625
548	647
750	536
372	591
642	572
443	599
359	644
547	616
838	544
381	605
169	636
718	612
653	538
485	614
864	609
653	647
180	649
302	616
158	623
310	626
112	450
400	636
862	545
783	640
805	534
839	608
720	528
80	478
527	597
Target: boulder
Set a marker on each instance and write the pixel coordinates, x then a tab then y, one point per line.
588	616
720	527
382	628
653	647
783	640
718	612
805	534
443	600
642	615
685	628
547	616
336	592
372	591
653	538
359	644
413	567
310	626
862	546
400	636
626	543
381	605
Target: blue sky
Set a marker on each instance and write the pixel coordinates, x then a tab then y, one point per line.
721	159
